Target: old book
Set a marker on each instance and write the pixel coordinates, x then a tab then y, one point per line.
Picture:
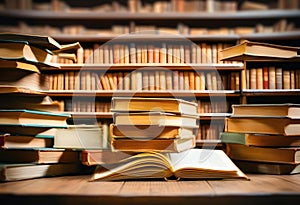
31	103
189	164
155	118
263	140
103	156
10	64
289	155
278	110
248	49
267	168
38	155
149	132
23	171
35	40
156	145
263	125
79	137
24	78
33	118
22	51
23	141
172	105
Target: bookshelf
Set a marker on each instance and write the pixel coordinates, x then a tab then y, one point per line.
97	25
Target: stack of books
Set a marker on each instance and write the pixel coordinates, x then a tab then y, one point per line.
264	138
154	138
28	116
153	124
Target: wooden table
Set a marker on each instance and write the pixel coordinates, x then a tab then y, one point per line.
260	189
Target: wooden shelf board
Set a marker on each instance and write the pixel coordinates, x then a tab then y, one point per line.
271	92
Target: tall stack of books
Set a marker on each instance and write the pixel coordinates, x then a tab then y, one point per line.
264	138
153	124
28	116
154	138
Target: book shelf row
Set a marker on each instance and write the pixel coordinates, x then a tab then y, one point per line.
282	25
145	80
272	78
183	52
139	6
92	106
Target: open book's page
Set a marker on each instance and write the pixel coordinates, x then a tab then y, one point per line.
143	165
202	159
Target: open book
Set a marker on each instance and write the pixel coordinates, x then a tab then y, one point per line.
189	164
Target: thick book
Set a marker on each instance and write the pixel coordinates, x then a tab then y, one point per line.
19	65
104	156
150	132
289	155
22	51
36	40
80	137
155	118
136	104
278	110
155	145
23	171
248	49
263	125
11	90
24	78
33	118
24	141
268	168
190	164
39	155
263	140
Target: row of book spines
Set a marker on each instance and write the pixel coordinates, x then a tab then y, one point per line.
137	6
280	26
272	78
94	106
208	131
129	6
145	80
132	53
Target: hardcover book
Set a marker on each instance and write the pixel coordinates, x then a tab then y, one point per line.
172	105
249	49
288	155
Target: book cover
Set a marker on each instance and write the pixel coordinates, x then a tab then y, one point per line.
153	145
288	155
155	118
149	132
263	125
248	49
263	140
172	105
267	168
33	118
38	155
22	51
290	110
22	171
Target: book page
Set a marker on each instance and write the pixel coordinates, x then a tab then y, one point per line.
143	165
202	159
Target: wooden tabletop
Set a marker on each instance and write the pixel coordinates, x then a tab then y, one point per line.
260	189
